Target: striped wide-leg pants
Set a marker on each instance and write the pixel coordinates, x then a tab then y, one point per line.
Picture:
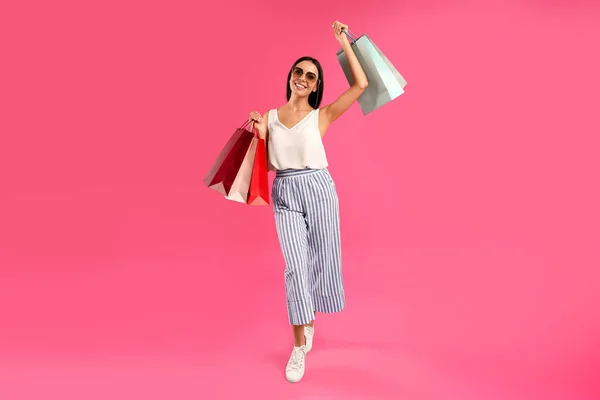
307	218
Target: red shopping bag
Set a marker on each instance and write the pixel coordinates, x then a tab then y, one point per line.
258	195
241	182
223	171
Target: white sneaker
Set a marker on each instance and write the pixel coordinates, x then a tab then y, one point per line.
309	333
295	366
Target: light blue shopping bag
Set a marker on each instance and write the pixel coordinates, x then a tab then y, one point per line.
385	82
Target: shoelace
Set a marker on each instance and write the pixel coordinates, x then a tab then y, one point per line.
297	359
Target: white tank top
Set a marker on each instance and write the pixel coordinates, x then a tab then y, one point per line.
298	147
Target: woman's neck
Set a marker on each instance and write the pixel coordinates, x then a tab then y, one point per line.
299	104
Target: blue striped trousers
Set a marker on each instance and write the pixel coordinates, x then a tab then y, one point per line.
306	208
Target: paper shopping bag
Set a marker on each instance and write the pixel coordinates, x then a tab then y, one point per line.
385	82
259	185
240	181
229	161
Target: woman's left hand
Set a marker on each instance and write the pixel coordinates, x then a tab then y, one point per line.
338	29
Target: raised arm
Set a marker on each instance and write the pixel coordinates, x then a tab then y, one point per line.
334	110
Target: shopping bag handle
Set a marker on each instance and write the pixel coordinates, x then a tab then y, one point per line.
350	35
252	128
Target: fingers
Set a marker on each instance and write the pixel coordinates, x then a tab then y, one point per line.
255	116
338	27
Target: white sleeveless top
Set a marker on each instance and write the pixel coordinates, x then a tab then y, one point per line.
298	147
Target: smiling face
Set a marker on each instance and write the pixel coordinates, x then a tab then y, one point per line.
304	78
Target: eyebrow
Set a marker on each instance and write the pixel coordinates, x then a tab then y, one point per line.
303	70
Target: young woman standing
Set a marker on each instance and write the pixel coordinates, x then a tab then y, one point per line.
304	196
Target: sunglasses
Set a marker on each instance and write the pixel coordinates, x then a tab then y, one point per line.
298	72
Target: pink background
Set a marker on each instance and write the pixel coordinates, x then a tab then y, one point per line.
469	205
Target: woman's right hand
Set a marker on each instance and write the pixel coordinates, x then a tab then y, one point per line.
259	123
255	116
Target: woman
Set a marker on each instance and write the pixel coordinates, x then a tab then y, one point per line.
305	201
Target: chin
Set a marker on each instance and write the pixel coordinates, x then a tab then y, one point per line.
300	93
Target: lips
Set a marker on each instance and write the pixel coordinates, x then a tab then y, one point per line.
300	86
